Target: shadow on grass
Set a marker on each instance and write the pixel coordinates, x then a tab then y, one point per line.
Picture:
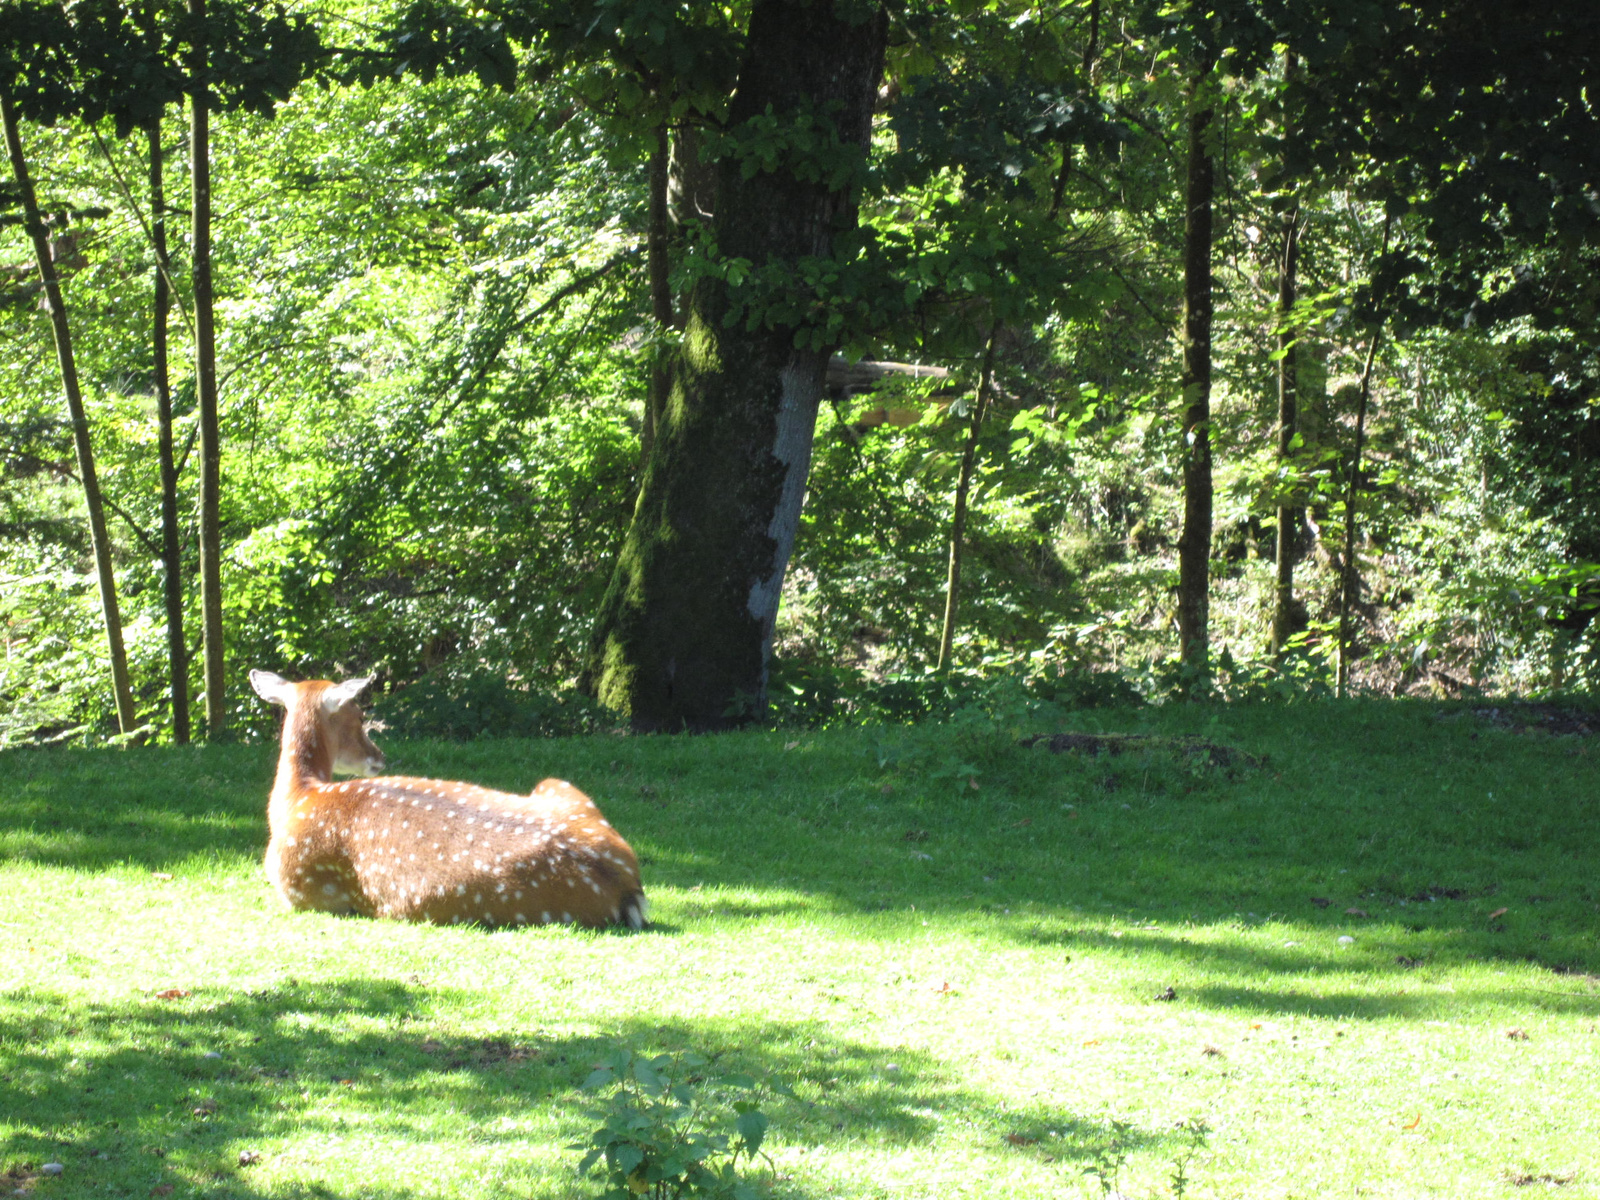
1363	1006
89	810
1567	991
150	1093
1365	806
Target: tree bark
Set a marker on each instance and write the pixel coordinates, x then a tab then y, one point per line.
171	543
1194	544
684	634
1284	624
99	536
205	357
1348	577
659	266
691	182
958	522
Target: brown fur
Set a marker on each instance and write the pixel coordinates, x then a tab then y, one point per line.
426	849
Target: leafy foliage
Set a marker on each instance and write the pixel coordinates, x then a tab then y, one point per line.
667	1128
436	336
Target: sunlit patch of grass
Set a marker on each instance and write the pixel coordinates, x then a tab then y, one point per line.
1371	964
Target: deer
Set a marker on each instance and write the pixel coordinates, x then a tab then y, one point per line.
429	850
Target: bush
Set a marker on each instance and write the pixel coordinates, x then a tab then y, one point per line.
669	1131
809	696
466	702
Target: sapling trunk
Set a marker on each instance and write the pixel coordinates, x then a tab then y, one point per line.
1194	544
958	523
1348	578
99	537
1283	623
205	358
171	543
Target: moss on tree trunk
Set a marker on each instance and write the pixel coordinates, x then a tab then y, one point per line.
685	631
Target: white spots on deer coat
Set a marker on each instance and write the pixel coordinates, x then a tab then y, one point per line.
364	845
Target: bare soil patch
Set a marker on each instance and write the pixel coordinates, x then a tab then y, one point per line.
1532	716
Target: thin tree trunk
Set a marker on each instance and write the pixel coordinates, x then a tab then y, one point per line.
205	356
958	524
171	544
99	537
1283	619
1194	544
1348	578
684	635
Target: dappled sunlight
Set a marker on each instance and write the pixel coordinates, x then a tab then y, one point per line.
994	982
298	1072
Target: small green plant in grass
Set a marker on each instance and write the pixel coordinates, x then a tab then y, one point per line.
1110	1158
667	1130
1198	1133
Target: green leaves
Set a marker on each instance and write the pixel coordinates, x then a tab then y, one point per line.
803	142
100	60
665	1131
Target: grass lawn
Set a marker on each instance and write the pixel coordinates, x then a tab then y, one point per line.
1370	967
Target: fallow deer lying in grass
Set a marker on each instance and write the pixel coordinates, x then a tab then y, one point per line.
426	850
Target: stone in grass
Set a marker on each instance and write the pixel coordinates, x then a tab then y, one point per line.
51	1169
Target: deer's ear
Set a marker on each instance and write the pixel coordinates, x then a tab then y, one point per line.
344	693
270	687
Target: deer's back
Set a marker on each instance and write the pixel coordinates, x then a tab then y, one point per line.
433	850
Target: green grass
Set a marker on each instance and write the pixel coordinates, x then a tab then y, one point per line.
960	982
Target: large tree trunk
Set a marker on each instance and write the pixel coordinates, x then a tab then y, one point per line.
657	242
685	631
205	358
171	543
99	536
1284	617
1194	544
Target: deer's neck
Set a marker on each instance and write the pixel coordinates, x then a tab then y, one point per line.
303	760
